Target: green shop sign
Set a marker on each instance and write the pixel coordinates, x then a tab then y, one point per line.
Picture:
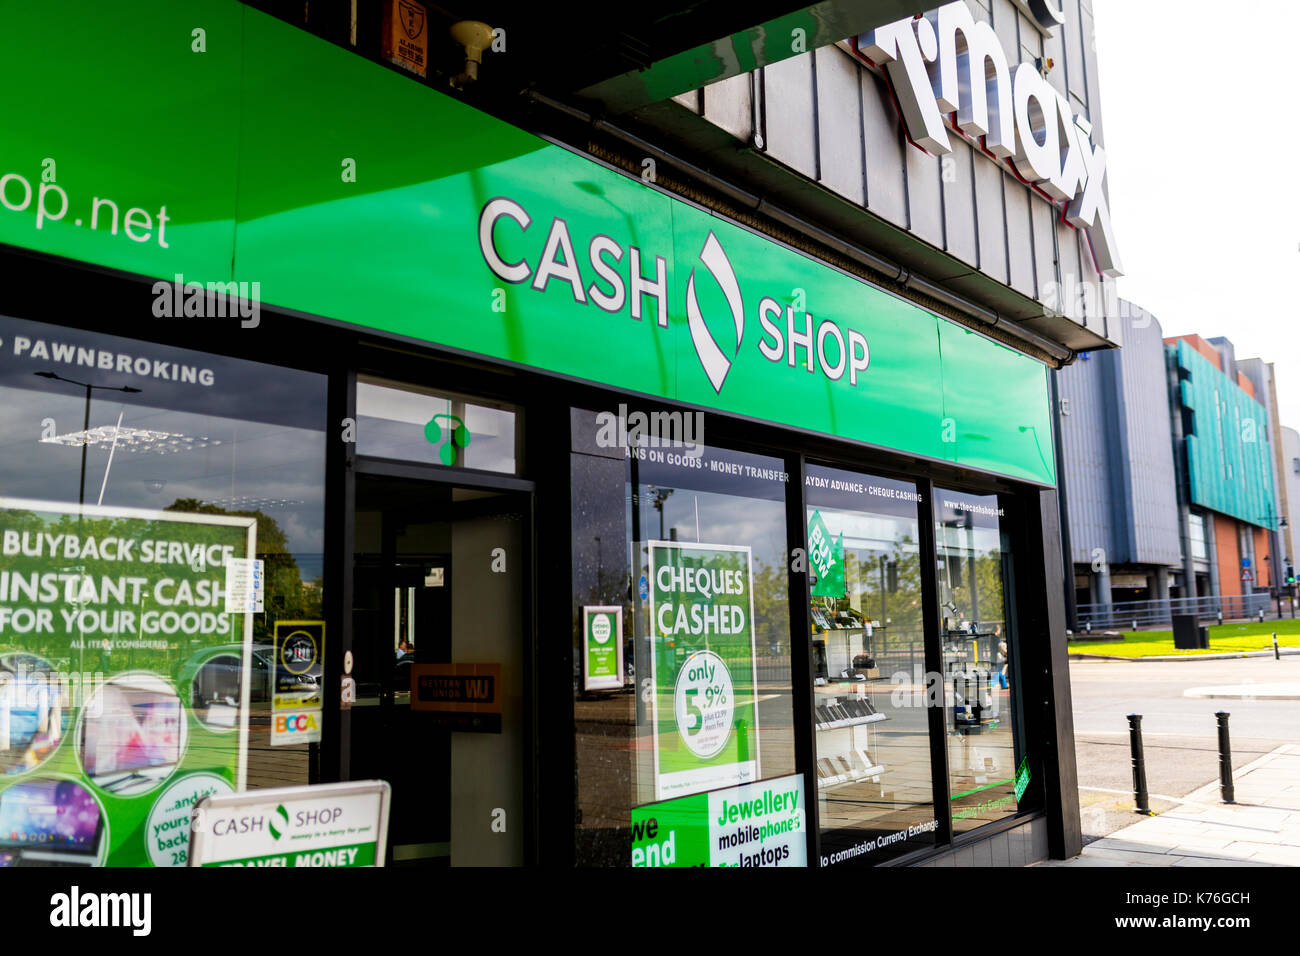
329	185
122	698
755	824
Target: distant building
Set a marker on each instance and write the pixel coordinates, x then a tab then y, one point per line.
1119	477
1290	481
1170	448
1222	431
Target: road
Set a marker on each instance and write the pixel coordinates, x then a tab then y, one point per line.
1179	733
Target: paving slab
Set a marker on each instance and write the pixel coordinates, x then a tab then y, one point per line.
1202	831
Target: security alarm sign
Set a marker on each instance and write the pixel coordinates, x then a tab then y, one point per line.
406	35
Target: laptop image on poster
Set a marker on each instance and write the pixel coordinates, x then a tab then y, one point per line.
49	823
134	741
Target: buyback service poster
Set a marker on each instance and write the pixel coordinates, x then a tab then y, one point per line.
122	698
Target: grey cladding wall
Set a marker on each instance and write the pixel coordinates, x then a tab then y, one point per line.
1119	464
832	120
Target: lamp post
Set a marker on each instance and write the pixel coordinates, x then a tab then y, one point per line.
85	428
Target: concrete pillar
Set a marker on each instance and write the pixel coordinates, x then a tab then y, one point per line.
1102	581
1158	584
1189	560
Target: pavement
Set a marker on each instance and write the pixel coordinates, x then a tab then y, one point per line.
1262	828
1280	690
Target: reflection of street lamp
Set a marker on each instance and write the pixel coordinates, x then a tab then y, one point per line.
85	429
661	495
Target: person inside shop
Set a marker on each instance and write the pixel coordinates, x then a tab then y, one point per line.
403	649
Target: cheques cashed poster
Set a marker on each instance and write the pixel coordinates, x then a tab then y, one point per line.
122	701
705	718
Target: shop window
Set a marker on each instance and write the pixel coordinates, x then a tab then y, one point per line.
685	551
987	770
143	647
874	789
435	427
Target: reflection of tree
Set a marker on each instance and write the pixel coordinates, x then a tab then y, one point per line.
287	597
896	600
771	605
988	589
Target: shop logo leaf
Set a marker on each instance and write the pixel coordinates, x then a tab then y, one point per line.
715	362
270	825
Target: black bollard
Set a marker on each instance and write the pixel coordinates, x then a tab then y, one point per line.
1277	655
1139	763
1226	789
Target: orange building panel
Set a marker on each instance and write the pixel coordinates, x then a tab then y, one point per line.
1227	555
1202	346
1263	569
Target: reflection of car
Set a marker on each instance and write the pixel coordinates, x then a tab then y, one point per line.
402	673
218	676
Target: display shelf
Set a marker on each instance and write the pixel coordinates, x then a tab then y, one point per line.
854	722
871	773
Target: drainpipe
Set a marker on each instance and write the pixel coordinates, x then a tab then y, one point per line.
1067	551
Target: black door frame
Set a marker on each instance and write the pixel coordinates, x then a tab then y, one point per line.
337	752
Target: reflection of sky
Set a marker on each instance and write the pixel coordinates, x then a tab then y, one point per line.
870	532
262	415
391	422
254	459
723	519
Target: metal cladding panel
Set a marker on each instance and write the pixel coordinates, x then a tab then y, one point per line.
839	124
1054	50
729	105
1075	61
1006	21
1067	251
883	142
1229	460
924	206
1044	240
991	220
1090	61
1085	446
1020	235
1153	494
790	118
958	190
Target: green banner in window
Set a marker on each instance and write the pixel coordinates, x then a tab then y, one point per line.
826	558
705	709
1022	778
123	698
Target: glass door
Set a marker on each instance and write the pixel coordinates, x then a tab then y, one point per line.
439	635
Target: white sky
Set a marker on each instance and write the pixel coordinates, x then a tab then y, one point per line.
1202	139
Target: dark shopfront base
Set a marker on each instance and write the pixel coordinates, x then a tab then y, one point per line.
54	292
1018	842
